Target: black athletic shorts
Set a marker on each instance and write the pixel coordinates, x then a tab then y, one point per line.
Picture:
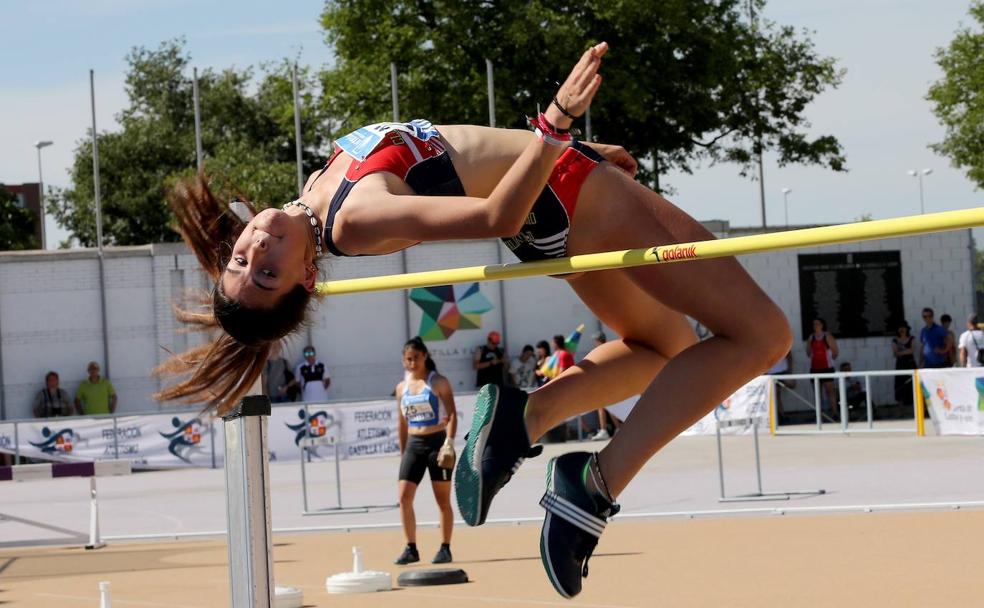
420	455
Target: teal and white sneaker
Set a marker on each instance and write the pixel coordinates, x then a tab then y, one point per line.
575	519
494	448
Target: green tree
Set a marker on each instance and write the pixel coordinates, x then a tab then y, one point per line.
686	81
247	137
958	98
16	224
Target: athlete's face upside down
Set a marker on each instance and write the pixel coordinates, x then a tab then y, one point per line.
271	257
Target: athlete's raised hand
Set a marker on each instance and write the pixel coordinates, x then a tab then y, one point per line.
575	95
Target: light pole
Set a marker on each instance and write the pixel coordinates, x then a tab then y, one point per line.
919	176
785	203
39	145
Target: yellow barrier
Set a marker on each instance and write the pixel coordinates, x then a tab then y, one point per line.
663	254
920	406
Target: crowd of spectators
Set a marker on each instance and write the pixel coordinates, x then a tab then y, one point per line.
533	368
95	395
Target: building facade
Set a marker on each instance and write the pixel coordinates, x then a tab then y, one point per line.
51	311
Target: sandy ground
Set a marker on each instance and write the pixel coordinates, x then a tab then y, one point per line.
886	559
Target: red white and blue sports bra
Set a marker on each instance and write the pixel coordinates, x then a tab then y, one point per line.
412	151
415	153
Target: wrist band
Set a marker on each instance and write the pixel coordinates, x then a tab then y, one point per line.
563	110
549	134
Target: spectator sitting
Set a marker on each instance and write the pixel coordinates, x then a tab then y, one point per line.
855	393
311	376
971	344
488	362
542	354
522	368
52	400
95	395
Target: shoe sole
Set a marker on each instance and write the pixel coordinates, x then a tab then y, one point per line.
545	533
468	473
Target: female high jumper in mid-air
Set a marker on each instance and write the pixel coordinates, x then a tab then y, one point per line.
390	186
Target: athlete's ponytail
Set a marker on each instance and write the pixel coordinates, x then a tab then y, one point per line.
222	370
417	344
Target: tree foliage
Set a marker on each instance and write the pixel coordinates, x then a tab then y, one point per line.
686	80
17	224
247	138
958	98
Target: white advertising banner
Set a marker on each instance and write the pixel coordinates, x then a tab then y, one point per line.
748	402
367	428
151	441
359	430
955	398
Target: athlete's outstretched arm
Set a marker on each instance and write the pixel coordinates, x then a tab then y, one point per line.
392	217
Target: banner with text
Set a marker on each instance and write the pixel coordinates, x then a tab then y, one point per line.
955	398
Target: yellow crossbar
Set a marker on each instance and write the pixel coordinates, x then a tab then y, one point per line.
663	254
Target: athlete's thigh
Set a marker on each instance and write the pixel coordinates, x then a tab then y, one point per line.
633	313
615	212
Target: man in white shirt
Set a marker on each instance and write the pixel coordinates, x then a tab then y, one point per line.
521	369
312	376
971	342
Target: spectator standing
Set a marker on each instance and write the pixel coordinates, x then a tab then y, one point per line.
278	380
821	348
972	344
933	338
904	349
564	358
603	416
488	362
542	354
95	395
783	367
951	340
522	368
52	401
312	376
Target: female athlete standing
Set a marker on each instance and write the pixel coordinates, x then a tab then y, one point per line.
428	421
391	186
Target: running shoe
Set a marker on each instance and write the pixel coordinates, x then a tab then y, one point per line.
443	555
494	448
575	519
409	556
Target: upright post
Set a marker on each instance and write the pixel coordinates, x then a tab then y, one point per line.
395	91
247	468
99	239
817	404
842	396
94	540
297	134
199	155
491	83
920	405
587	124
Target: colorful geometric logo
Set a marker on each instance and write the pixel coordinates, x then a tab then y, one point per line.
448	308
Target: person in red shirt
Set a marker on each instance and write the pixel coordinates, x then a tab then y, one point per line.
564	358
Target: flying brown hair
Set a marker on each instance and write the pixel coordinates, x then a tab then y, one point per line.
219	372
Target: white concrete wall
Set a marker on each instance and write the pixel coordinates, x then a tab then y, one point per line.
50	313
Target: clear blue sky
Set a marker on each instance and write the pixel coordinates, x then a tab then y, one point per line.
879	112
